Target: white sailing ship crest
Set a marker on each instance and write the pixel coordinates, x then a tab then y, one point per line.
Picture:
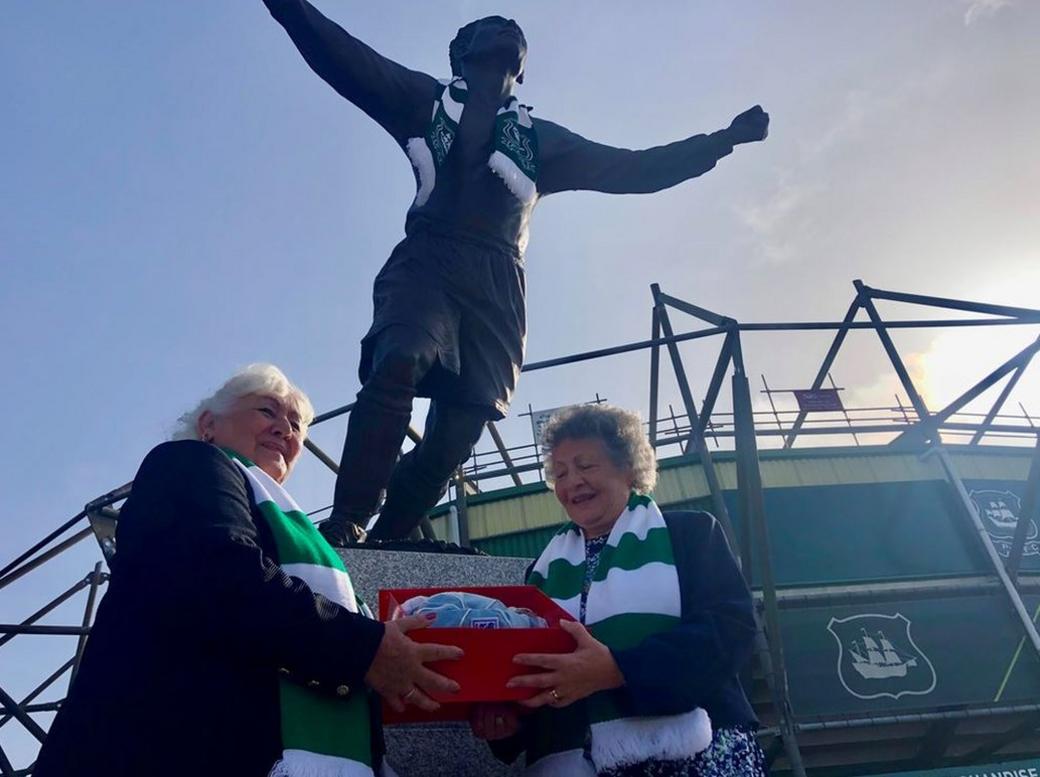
877	657
1000	511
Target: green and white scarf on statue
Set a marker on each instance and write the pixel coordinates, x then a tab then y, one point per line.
634	593
514	148
321	736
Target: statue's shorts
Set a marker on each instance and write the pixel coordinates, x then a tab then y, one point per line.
468	295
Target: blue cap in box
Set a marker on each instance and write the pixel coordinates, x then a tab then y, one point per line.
455	609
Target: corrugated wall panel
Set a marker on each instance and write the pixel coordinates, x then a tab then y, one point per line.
523	544
530	508
519	521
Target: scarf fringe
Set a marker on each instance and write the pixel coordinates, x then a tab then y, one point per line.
522	187
569	763
300	763
627	741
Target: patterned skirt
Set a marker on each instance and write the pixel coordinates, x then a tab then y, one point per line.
733	752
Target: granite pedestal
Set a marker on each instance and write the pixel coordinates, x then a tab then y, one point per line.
433	749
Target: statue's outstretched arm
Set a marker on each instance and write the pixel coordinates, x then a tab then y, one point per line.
396	97
570	162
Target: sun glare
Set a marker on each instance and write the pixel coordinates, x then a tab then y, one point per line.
958	358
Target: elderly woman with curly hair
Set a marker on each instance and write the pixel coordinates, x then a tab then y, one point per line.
230	641
664	622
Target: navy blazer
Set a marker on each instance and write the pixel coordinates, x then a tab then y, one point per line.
696	664
181	671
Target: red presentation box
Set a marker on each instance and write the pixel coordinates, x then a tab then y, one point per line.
488	662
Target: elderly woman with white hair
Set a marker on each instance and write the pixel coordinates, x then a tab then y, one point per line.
230	641
663	624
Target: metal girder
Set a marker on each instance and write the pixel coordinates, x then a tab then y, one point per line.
43	558
59	631
620	349
753	508
1003	739
707	465
1017	362
30	725
774	749
51	605
655	372
1030	513
13	571
927	323
893	354
934	743
952	304
772	405
825	368
331	463
998	404
103	523
997	563
715	385
708	316
461	508
496	437
41	544
96	579
963	713
321	455
333	413
54	677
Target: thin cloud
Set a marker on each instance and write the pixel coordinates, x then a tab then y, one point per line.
781	220
978	9
785	221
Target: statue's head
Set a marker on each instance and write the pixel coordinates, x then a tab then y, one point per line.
493	41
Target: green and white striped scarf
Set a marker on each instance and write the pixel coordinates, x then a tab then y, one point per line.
514	154
634	593
321	736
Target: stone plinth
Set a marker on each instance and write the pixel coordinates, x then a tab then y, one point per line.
433	749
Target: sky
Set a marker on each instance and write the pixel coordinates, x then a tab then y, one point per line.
182	196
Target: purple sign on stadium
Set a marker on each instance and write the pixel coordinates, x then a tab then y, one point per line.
822	399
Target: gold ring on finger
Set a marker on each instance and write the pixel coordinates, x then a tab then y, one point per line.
555	695
408	695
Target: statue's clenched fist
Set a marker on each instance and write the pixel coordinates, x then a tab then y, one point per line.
750	126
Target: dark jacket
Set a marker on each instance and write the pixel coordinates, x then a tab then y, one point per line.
696	663
180	674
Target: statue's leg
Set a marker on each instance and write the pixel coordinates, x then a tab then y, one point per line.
377	426
422	475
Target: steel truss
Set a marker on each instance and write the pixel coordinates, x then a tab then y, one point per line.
691	430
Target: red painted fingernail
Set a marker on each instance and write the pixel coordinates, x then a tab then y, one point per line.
430	616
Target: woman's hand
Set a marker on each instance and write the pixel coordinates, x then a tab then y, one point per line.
397	672
571	676
494	721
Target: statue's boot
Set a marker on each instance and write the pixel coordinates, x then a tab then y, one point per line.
342	531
